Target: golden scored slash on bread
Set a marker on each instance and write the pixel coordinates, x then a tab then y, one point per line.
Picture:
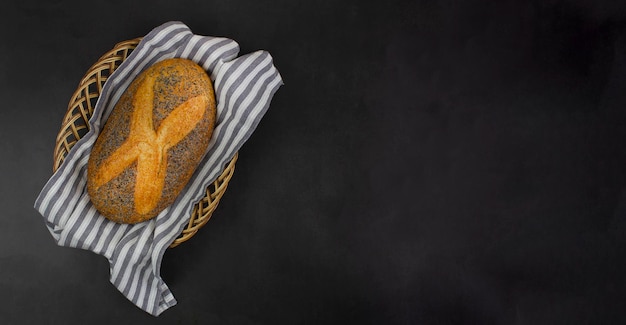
167	115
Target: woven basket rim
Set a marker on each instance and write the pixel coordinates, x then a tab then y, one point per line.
75	125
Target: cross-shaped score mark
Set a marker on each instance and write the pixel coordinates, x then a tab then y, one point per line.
148	146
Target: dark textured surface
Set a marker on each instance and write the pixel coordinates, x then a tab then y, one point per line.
426	162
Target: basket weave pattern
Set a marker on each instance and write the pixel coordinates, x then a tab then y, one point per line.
76	124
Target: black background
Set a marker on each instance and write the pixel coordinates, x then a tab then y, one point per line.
426	162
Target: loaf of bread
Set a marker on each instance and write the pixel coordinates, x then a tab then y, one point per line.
152	142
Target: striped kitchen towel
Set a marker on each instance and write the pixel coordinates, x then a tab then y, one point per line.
244	87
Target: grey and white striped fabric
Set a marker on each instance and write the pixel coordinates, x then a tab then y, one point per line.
244	87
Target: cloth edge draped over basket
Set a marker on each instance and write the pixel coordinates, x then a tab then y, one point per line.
244	87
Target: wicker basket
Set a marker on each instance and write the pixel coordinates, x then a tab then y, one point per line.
75	125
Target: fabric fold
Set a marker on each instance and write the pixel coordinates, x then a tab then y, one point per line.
244	87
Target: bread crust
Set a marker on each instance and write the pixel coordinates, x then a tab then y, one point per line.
152	142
